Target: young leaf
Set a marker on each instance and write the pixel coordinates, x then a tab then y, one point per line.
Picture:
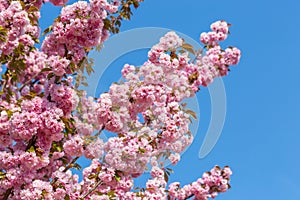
188	47
47	30
192	113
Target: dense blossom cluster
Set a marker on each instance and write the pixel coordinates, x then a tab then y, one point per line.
215	56
79	27
46	124
206	187
18	26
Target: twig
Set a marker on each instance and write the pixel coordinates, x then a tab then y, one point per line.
31	142
71	164
7	193
91	190
185	198
29	80
66	169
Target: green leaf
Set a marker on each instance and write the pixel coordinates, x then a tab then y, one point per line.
9	113
46	69
92	176
47	30
3	34
32	9
141	150
36	40
89	69
3	39
2	175
117	177
50	75
118	23
14	78
72	67
9	92
2	29
57	79
169	170
77	166
8	98
111	193
44	192
31	149
39	152
22	4
58	19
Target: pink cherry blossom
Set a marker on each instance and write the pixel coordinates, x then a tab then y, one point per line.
47	123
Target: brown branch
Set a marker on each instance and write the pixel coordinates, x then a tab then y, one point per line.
31	142
91	190
7	193
71	164
29	80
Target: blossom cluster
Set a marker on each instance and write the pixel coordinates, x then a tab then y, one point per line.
145	111
211	183
17	26
79	27
46	124
215	56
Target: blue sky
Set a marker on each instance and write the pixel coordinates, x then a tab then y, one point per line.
261	136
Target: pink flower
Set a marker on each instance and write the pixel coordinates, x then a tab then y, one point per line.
170	41
74	146
174	158
58	2
94	150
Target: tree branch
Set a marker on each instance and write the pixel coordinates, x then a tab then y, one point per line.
7	193
91	190
70	165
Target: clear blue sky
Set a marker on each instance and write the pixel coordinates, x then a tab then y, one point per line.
261	136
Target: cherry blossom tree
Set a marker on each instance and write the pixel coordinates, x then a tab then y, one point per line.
47	123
